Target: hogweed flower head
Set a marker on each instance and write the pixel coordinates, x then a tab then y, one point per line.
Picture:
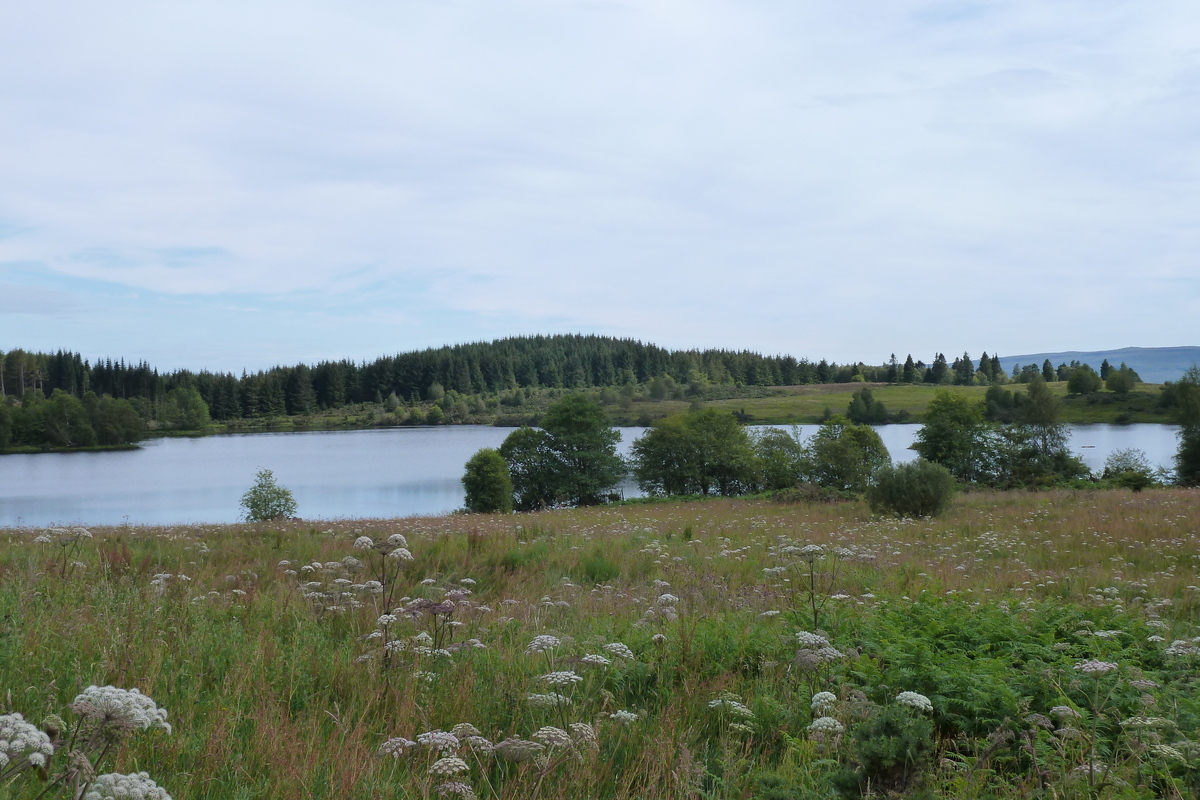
459	788
464	729
438	740
124	709
448	766
914	700
542	643
562	678
823	701
813	640
401	553
517	749
732	706
364	543
551	700
619	650
826	725
396	747
624	717
397	540
1095	669
552	737
595	660
20	739
125	787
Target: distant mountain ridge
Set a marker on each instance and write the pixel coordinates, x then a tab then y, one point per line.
1153	364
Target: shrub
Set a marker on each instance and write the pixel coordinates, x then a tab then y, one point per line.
890	751
267	499
919	488
488	485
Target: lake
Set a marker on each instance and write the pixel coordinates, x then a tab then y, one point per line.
388	472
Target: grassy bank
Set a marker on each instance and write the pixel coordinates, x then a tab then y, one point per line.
266	649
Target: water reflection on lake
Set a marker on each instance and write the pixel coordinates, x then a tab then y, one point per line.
333	474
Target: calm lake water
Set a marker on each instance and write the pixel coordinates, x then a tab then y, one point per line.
338	474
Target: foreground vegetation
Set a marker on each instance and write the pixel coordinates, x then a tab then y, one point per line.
1021	645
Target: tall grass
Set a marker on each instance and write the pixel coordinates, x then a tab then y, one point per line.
986	611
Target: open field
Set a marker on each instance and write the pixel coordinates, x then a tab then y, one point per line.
1048	631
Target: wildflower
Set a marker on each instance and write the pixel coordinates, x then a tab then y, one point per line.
438	740
913	700
397	540
562	678
552	737
1181	647
1064	712
812	640
20	739
1167	753
828	654
479	744
464	729
584	734
1142	722
550	700
826	725
624	717
385	620
823	701
450	765
595	660
667	599
732	706
659	639
124	709
364	543
516	749
619	650
135	785
1143	684
459	788
1095	669
396	747
401	553
467	581
541	644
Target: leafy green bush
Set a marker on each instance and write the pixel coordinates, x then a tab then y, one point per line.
487	483
267	499
890	750
919	488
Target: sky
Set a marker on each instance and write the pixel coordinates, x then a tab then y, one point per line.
228	185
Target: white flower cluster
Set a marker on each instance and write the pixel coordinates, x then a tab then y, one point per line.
823	701
552	737
667	599
595	660
1096	668
624	717
826	725
914	700
541	644
124	708
813	640
562	678
63	536
135	786
450	765
20	739
619	650
732	706
551	700
364	543
438	740
1182	647
458	788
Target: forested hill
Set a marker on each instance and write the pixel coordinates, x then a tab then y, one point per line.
470	369
1153	364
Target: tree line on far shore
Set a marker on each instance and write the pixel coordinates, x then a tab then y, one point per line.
572	458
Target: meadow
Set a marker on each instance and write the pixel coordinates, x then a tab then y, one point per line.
1025	644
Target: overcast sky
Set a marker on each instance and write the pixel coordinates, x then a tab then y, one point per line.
227	184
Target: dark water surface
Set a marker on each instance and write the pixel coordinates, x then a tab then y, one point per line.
335	474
